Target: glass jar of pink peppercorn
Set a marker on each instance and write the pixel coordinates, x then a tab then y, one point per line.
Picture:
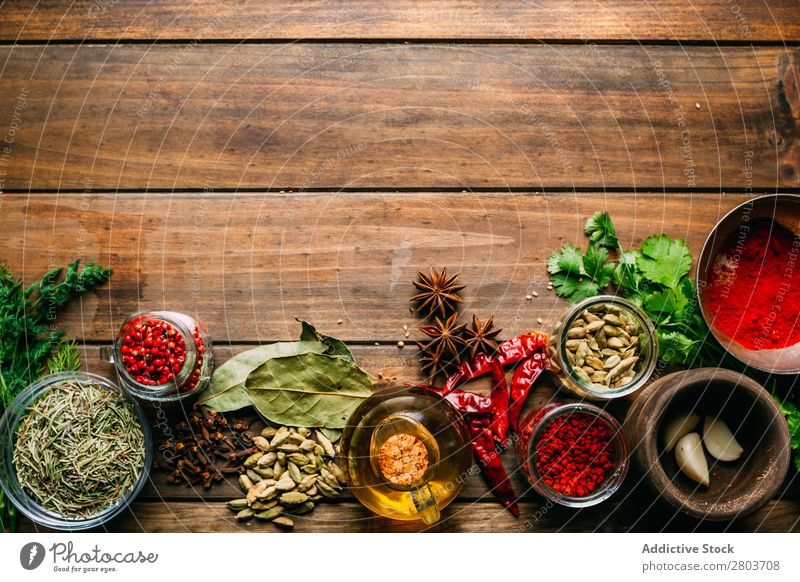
162	355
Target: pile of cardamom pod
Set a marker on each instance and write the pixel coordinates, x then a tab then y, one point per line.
292	470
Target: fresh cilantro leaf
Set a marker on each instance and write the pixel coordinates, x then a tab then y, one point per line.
676	348
627	276
793	421
575	287
601	231
664	260
596	265
661	304
568	260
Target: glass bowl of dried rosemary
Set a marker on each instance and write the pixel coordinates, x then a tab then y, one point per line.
76	450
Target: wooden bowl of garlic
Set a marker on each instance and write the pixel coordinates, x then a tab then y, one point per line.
711	442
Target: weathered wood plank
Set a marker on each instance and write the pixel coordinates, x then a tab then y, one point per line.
364	116
249	264
777	516
716	20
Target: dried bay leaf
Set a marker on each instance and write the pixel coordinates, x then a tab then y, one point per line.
334	346
311	389
226	391
332	434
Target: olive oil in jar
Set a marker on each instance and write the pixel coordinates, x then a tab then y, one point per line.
406	454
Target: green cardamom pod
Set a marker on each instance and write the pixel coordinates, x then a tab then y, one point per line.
286	483
294	472
337	472
327	490
280	437
309	469
306	482
261	443
263	505
325	442
298	459
288	448
251	461
237	504
269	432
277	470
283	522
245	514
307	446
331	482
270	514
264	472
293	498
245	483
296	439
268	460
302	508
253	476
304	431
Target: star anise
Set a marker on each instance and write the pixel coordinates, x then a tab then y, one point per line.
447	334
433	363
443	351
438	294
481	337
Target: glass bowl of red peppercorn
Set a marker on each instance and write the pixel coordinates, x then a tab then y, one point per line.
162	355
604	347
573	454
748	273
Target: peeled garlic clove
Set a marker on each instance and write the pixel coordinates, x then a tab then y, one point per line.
678	427
719	440
691	459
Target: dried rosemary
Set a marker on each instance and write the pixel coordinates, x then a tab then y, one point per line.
79	450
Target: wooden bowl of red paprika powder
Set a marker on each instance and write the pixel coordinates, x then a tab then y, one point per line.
736	488
748	283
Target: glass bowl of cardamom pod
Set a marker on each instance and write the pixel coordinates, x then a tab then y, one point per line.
76	450
604	347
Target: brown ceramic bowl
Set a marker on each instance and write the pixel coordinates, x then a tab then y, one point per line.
785	210
736	488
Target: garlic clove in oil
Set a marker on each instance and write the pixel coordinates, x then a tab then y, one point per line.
719	440
691	458
678	427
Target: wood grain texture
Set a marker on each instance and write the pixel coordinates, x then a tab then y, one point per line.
248	264
777	516
717	20
331	116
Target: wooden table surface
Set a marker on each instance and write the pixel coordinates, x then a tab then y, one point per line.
252	162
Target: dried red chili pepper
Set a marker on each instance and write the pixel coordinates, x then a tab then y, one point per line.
489	461
524	377
509	352
465	402
500	409
478	412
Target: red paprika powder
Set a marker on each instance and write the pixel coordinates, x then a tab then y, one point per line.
753	292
